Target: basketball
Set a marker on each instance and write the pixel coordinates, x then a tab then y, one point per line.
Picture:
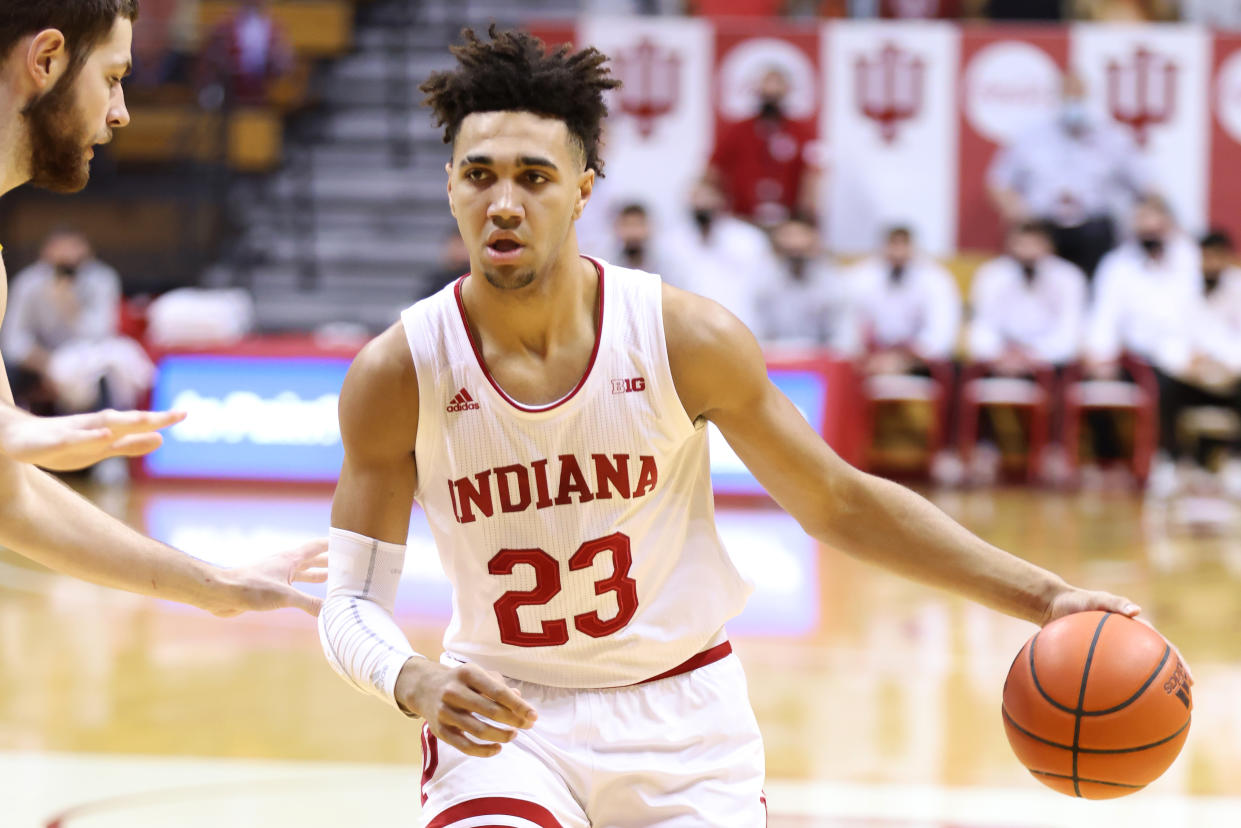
1097	705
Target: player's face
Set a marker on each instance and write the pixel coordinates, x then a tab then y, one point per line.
79	112
516	184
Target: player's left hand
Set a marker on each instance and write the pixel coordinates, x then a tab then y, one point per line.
80	440
268	584
1071	600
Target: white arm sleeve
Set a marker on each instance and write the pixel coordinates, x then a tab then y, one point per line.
360	636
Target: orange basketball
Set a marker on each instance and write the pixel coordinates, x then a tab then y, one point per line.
1097	705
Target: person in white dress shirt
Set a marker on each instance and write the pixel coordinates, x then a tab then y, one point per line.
1146	291
1206	354
1029	309
717	255
1074	171
907	308
809	304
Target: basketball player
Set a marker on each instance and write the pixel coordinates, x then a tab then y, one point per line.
549	411
61	64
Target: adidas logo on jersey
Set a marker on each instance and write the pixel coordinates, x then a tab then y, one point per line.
462	402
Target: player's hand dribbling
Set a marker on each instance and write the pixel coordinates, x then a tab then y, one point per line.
457	703
1072	599
81	440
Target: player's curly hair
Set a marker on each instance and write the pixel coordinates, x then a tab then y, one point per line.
514	72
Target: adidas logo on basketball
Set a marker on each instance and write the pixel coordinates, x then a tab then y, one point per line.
462	402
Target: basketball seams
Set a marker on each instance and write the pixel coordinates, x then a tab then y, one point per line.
1081	702
1088	781
1093	751
1167	650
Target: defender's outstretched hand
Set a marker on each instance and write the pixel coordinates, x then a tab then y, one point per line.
81	440
267	585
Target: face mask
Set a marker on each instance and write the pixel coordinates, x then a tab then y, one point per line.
1073	115
703	218
1210	281
633	251
896	272
1027	270
1153	245
796	265
770	109
65	271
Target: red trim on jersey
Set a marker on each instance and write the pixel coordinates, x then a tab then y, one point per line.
704	658
478	354
497	806
430	759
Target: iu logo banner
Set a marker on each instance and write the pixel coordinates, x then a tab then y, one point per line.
890	126
889	85
1010	81
1152	80
658	136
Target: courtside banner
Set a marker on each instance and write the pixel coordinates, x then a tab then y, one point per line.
658	136
1224	99
1152	80
250	417
890	128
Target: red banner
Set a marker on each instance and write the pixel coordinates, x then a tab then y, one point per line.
1224	100
1010	75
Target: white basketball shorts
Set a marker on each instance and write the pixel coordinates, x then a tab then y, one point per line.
677	752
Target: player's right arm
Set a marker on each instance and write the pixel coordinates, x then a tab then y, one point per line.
370	523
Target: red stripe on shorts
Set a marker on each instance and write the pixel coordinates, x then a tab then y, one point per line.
430	759
704	658
497	806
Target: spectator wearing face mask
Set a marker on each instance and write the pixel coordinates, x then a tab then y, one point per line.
808	304
908	307
631	239
1029	308
765	165
1146	294
61	334
1074	172
717	255
1202	369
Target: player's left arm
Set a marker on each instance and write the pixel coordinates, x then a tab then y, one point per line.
720	374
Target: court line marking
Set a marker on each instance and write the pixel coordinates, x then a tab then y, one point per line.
75	785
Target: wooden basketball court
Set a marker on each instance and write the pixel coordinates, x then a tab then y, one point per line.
879	699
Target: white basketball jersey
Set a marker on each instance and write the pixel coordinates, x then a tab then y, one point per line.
580	536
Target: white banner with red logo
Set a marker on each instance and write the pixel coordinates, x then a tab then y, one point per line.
1153	80
890	108
910	115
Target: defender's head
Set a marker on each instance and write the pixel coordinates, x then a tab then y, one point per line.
65	59
525	128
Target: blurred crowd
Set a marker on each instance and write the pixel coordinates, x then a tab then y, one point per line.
1100	310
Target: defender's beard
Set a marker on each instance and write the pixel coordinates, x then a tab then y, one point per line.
58	148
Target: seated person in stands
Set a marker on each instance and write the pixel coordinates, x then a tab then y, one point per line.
60	334
808	303
1028	307
1207	360
246	53
907	309
1146	292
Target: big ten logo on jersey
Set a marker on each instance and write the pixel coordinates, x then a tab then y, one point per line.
522	486
626	386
